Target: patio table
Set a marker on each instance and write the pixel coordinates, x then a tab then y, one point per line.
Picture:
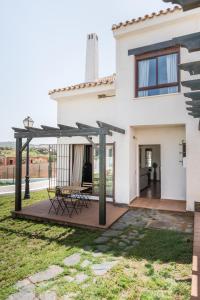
74	194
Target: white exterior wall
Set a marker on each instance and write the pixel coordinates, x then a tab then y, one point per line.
173	174
127	112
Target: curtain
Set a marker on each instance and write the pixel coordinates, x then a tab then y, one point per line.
171	68
144	70
77	170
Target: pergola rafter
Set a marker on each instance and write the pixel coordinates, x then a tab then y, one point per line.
192	84
186	4
192	67
190	41
81	130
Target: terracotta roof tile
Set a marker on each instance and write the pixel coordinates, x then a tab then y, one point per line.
146	17
100	81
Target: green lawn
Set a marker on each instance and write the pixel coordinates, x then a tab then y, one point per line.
158	268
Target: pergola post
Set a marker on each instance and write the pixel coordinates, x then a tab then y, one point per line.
102	179
18	176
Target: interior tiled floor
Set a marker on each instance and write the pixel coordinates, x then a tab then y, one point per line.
153	191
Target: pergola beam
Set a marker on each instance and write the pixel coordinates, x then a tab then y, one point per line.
26	144
110	127
192	67
194	85
89	139
189	41
186	4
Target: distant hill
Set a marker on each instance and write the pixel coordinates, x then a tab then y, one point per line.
7	144
12	145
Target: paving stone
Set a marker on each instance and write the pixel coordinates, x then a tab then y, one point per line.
49	295
119	226
103	268
115	241
112	233
85	263
50	273
72	260
79	278
122	245
103	248
68	278
101	239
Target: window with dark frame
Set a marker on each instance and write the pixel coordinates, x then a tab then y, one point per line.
148	158
158	73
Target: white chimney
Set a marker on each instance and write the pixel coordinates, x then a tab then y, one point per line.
92	58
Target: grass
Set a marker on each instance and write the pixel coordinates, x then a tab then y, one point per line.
158	268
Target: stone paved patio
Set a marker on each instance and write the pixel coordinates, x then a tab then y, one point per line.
92	262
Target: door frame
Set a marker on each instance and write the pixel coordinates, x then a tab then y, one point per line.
138	166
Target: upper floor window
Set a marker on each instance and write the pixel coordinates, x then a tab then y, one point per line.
157	73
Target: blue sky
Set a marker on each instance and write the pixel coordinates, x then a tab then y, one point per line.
43	46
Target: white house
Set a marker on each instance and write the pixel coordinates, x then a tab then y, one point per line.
146	99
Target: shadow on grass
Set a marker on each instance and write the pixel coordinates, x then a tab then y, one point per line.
156	245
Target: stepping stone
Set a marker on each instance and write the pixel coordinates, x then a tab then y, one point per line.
87	248
103	248
72	260
111	233
102	269
97	254
50	273
70	296
22	283
101	239
49	295
23	295
69	278
79	278
85	263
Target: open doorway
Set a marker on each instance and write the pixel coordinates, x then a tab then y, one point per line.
149	171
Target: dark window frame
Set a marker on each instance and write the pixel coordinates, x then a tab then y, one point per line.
151	55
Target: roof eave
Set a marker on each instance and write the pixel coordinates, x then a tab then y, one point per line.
100	89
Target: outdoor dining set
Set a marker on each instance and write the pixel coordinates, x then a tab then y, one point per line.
69	199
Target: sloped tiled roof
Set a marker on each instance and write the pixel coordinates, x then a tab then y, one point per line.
146	17
100	81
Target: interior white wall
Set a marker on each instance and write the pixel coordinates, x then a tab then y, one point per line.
173	174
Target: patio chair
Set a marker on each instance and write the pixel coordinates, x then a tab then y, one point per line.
55	200
85	194
71	203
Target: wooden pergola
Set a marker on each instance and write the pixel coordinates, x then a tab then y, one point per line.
192	43
81	130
